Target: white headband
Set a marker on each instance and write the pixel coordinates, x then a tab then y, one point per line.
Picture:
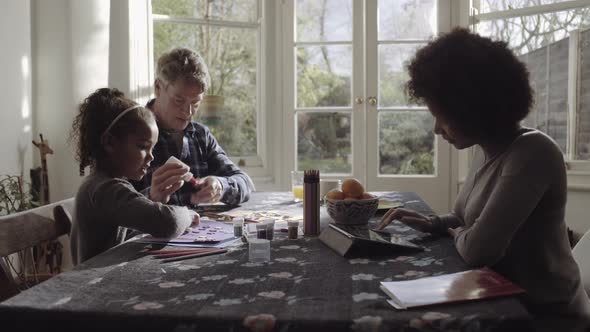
120	116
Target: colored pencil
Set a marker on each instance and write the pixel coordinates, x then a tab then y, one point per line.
178	254
157	252
174	259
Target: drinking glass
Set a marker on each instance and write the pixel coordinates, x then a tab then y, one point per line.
297	185
259	250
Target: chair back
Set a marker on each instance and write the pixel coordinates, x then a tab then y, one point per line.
29	228
581	253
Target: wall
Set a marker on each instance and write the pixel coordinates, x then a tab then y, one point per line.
70	56
576	215
63	45
16	121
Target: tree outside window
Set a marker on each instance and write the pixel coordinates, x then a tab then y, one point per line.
225	33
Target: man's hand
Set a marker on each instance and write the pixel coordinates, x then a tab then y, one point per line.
411	218
210	191
166	180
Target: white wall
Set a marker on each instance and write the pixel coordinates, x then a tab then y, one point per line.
16	149
70	55
577	215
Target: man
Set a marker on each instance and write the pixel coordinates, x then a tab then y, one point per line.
182	79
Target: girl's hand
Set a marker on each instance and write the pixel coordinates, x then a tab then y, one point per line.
194	223
210	191
196	220
411	218
166	180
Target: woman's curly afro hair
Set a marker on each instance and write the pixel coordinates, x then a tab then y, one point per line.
476	83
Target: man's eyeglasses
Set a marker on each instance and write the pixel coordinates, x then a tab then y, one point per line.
180	102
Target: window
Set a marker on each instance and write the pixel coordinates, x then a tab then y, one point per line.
327	69
553	39
323	88
228	35
406	136
345	110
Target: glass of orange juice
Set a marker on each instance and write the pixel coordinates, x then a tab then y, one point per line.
297	185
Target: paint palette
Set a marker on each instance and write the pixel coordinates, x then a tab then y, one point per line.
211	231
208	231
256	216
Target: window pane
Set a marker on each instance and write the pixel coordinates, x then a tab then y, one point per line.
407	19
227	10
392	73
542	41
499	5
557	105
548	67
324	20
406	143
528	33
583	134
230	54
324	74
536	62
324	142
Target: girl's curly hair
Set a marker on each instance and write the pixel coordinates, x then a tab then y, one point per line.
95	114
478	84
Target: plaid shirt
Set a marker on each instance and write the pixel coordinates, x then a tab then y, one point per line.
205	156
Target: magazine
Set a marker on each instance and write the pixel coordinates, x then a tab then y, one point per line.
456	287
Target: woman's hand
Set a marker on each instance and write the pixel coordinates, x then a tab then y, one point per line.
210	191
166	180
454	231
411	218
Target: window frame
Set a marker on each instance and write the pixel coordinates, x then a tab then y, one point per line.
576	168
257	166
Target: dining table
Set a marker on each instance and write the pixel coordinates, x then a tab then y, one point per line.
306	286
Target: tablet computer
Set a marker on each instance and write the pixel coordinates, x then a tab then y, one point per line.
360	240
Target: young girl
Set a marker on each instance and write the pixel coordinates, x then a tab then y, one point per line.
115	137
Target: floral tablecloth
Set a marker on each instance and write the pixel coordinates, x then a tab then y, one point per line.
305	287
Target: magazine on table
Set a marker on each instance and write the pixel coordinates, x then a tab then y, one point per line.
456	287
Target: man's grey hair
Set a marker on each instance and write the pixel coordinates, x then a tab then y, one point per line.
183	63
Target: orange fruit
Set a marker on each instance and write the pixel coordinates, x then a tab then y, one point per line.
335	194
352	188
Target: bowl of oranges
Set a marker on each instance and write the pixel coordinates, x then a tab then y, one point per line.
351	205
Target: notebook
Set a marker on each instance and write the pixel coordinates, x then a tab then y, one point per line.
447	288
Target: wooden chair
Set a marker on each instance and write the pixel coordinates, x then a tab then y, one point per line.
27	229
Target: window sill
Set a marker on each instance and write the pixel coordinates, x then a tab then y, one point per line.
578	187
576	181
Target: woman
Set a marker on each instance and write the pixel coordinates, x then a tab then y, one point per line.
509	214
